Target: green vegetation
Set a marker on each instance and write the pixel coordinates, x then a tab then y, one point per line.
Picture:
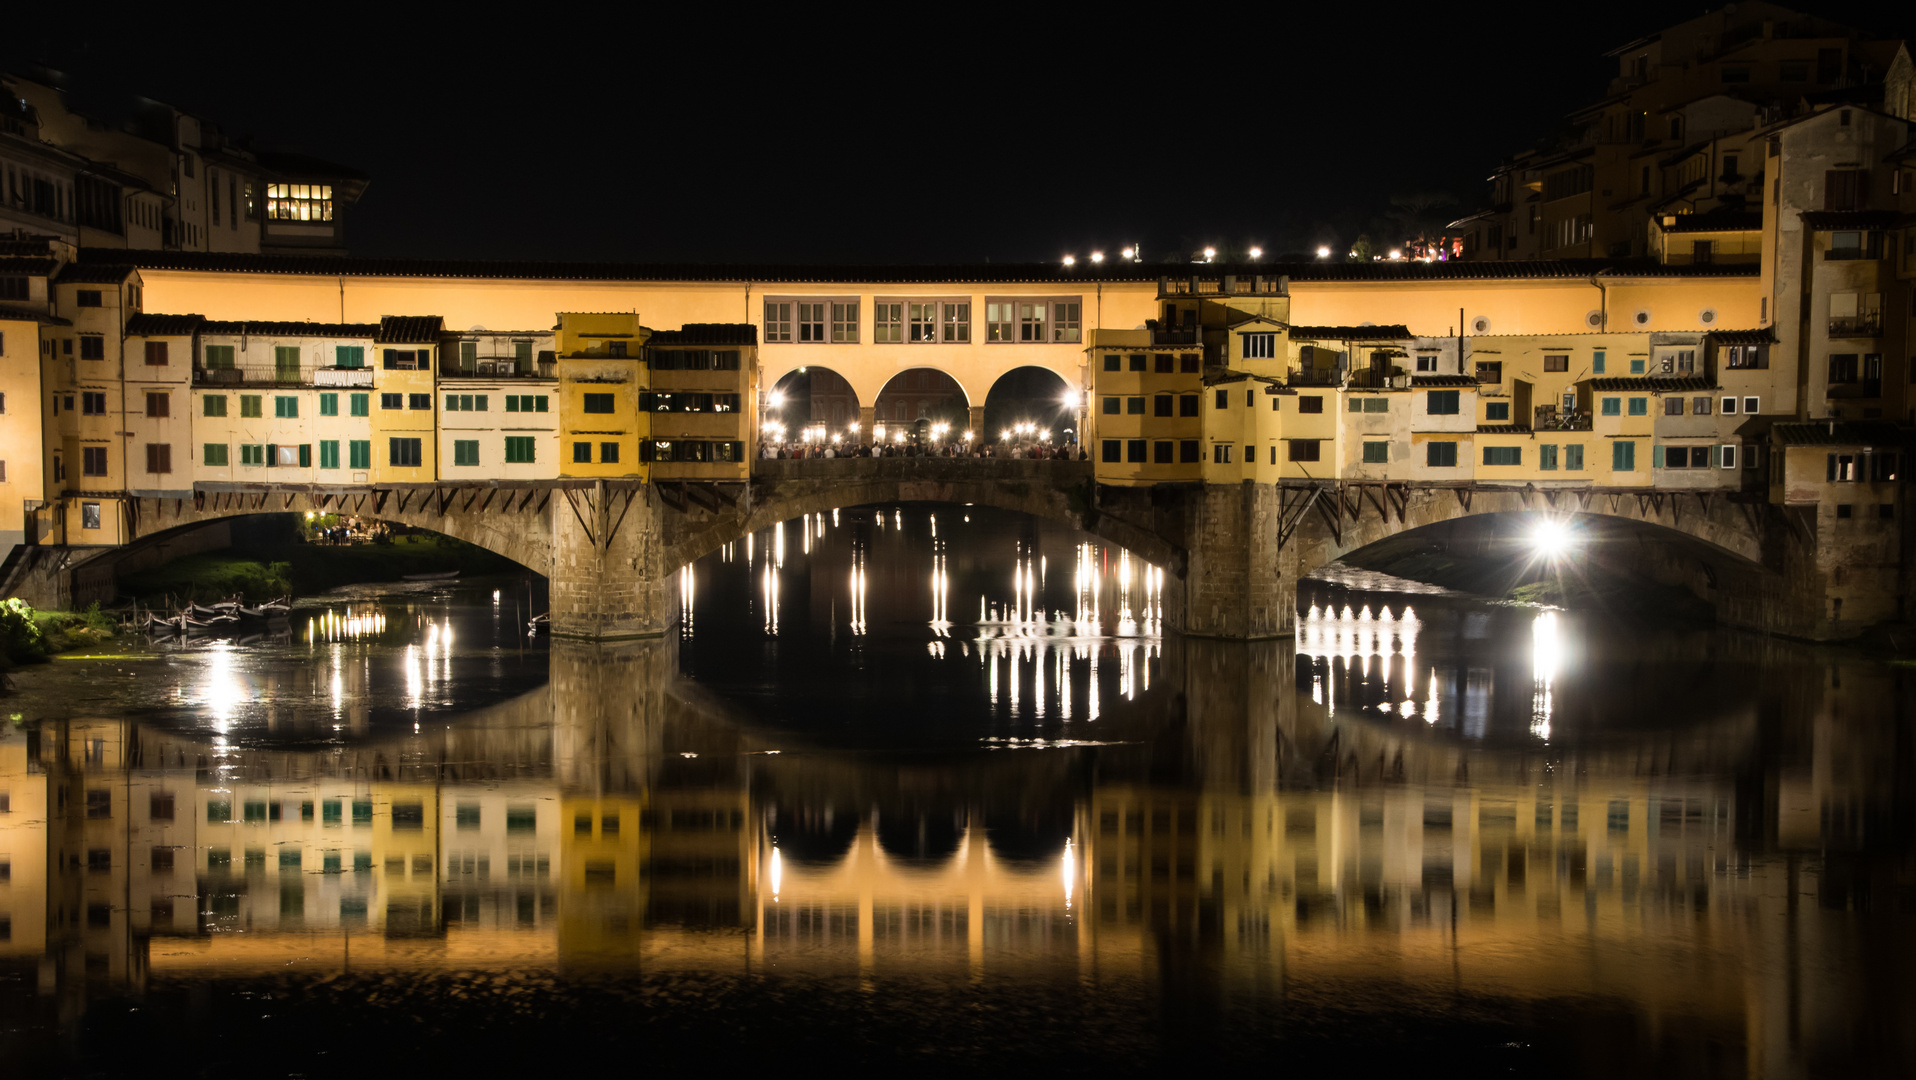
28	636
261	572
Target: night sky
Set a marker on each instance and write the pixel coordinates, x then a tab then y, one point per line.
840	135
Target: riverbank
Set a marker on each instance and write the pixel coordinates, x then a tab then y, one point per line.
261	572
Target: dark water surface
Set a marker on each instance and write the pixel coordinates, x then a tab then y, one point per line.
927	789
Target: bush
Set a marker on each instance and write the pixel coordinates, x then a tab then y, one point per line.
20	634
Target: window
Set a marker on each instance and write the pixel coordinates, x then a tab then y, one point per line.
92	403
778	322
811	321
1188	404
159	457
1743	356
1673	406
1556	363
417	360
1726	455
1700	406
1490	372
1856	314
466	402
1112	406
252	454
1064	323
1376	453
329	404
1497	410
1845	189
526	403
1188	363
1573	457
1031	320
1161	405
1223	399
419	401
468	355
1503	455
90	515
1844	510
349	356
924	321
1427	362
93	461
1843	468
213	455
1886	511
1134	406
404	453
1113	362
1596	362
1001	321
362	404
299	202
1637	364
250	406
1639	406
888	323
286	408
1189	452
1304	449
609	453
1162	452
1750	406
286	363
159	404
1729	406
1623	456
156	354
519	449
1311	403
1440	455
1137	361
289	455
329	453
465	451
92	347
845	322
1612	406
88	297
360	454
1259	346
957	322
1111	452
1547	457
1221	453
1441	403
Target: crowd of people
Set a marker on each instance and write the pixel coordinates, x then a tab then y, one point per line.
1028	449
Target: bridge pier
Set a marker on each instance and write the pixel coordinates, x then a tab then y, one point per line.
610	578
1238	583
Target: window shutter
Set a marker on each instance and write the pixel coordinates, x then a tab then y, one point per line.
306	455
272	454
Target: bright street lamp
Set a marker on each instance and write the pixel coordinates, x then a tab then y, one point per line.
1070	260
1257	253
1323	253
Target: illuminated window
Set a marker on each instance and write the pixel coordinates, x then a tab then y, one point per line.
778	322
957	322
1064	321
1031	320
1259	346
924	322
811	322
845	323
299	202
888	323
1001	321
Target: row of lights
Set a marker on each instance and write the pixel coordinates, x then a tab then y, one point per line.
1133	254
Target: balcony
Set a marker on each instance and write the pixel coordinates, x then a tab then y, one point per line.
1169	335
1856	326
1550	418
343	377
1315	377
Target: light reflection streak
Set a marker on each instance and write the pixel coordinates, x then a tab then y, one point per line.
1546	655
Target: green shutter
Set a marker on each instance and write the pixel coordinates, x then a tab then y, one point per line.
541	399
329	453
479	402
213	405
272	454
329	404
305	455
362	404
362	453
213	455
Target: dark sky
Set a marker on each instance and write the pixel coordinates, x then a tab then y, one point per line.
848	135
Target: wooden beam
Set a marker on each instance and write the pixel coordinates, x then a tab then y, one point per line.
580	518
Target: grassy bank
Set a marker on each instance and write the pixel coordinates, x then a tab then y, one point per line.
30	636
262	572
1576	584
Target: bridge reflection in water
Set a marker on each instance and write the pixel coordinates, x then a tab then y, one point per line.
1366	823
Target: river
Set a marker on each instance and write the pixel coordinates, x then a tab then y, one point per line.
931	788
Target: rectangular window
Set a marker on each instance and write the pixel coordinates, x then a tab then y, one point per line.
1189	453
609	453
1547	457
286	363
1223	399
156	354
1639	406
1490	372
329	453
1064	321
1162	453
159	457
582	453
924	322
159	404
465	451
1441	403
1112	452
92	403
252	454
1163	363
1750	406
404	453
1221	453
213	455
1259	346
1440	455
1503	455
1310	403
1556	363
349	356
1623	456
1376	453
286	408
1596	362
1112	406
1673	406
598	403
1134	406
89	297
1726	455
519	449
1134	451
250	406
845	323
888	323
1113	362
1612	406
811	321
1188	404
1304	450
778	322
362	404
1497	411
1162	405
329	404
957	323
419	401
468	355
90	515
92	347
359	454
1136	362
1427	362
1001	321
1573	457
299	202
